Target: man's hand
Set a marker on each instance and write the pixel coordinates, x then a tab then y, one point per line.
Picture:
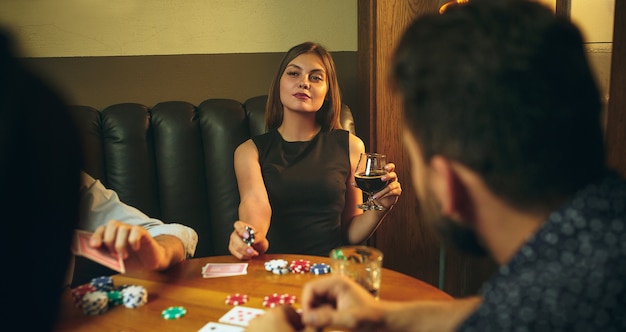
279	319
340	302
137	247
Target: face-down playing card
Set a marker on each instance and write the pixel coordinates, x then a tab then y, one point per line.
81	247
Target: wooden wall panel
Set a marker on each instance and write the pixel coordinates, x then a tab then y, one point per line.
616	117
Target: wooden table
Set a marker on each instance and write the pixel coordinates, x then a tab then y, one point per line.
204	298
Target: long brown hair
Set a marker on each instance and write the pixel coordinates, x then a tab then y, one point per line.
328	115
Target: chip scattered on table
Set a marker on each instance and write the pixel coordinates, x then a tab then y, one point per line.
272	301
236	299
288	298
174	312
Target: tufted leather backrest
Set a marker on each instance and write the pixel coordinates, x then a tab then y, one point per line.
174	161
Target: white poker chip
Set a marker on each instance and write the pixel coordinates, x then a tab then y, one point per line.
284	270
134	296
276	264
94	303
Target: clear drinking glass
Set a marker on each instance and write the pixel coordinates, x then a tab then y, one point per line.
362	264
369	170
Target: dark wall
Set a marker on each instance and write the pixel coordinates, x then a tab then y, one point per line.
103	81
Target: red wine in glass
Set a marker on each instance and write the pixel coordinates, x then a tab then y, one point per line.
369	170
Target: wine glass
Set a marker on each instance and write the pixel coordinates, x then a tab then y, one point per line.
369	170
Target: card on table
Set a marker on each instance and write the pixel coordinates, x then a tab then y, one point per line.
213	270
241	315
81	247
217	327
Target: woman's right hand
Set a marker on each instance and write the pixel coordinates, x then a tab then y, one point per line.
239	248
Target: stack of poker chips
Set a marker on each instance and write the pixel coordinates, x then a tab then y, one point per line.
320	268
281	266
94	303
277	266
100	294
134	296
300	266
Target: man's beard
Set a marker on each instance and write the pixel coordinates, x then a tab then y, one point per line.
460	236
453	233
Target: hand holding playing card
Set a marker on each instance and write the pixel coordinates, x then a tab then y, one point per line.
81	247
135	245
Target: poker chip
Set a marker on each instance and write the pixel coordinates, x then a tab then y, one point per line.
288	298
300	266
174	312
277	266
134	296
94	303
281	270
320	268
236	299
80	291
250	240
104	283
115	298
100	294
274	300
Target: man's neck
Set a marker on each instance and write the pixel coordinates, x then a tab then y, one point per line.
504	229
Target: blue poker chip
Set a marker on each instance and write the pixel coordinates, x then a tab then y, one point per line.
104	283
320	268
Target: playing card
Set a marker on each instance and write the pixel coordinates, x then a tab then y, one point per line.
217	327
240	315
212	270
101	255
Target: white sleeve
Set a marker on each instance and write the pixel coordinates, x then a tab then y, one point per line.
99	205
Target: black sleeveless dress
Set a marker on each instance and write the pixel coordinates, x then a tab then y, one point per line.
306	185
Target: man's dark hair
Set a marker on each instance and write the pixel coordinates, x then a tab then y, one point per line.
504	87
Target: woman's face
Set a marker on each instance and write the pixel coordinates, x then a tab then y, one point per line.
303	85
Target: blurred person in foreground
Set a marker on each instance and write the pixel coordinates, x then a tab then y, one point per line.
40	162
502	127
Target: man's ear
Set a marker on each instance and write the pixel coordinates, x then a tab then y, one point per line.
449	188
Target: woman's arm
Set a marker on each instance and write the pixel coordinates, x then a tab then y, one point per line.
254	206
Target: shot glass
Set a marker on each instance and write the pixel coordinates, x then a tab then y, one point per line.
362	264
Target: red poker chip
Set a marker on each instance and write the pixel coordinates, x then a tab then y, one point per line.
236	299
300	266
288	298
274	300
80	291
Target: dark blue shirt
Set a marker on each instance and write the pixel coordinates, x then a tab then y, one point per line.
570	276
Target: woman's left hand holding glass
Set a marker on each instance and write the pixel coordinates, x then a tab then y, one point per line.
388	196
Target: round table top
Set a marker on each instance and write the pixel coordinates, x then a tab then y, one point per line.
204	298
